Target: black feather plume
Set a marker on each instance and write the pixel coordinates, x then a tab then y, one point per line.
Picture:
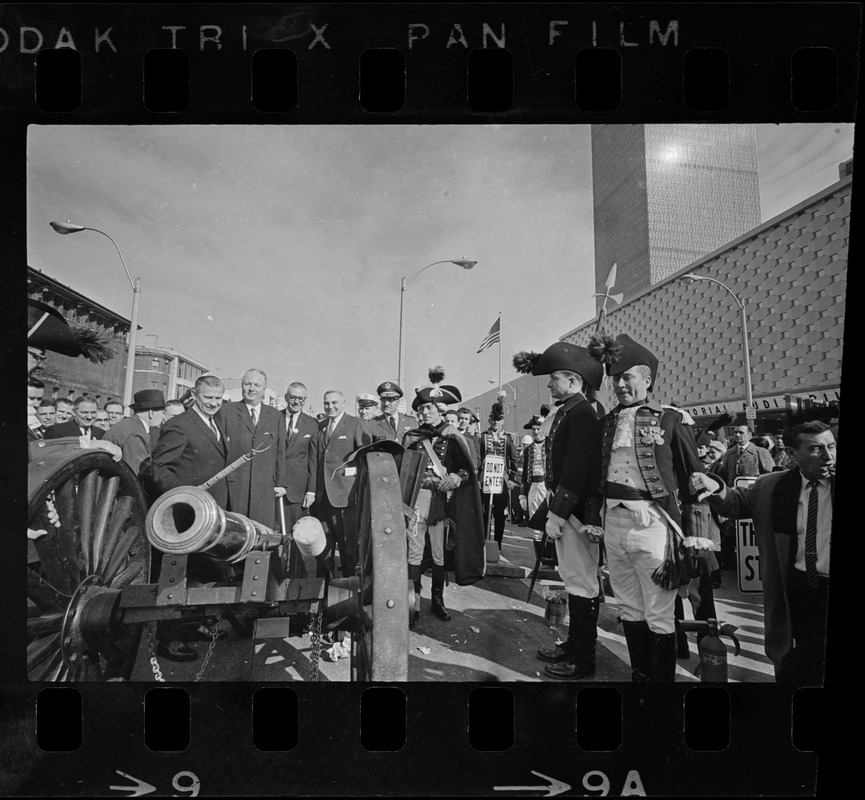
525	361
437	374
497	410
93	345
725	419
545	410
603	347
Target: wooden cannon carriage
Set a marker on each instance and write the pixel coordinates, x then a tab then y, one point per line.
89	588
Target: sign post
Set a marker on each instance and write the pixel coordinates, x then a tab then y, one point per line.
747	555
493	482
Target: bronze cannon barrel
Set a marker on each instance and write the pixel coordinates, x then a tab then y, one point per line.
188	520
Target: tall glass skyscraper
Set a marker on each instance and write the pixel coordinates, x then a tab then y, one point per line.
666	195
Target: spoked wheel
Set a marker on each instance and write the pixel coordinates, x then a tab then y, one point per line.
379	649
77	568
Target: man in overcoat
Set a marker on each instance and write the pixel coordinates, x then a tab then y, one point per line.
250	424
792	514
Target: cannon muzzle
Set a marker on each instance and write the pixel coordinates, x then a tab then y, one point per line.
188	520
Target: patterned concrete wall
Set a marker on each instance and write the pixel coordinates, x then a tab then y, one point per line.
792	274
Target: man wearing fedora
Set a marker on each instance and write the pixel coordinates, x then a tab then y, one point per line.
572	473
133	434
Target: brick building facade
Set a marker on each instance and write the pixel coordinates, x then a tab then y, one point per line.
68	377
164	368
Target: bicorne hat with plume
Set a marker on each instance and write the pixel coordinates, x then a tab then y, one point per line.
436	392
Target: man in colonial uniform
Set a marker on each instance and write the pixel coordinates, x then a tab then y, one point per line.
495	442
449	497
533	487
647	457
572	473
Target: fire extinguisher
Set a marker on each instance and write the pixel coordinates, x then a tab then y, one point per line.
712	667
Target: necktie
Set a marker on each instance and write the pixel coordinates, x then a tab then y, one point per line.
811	537
253	412
392	422
213	428
290	426
330	427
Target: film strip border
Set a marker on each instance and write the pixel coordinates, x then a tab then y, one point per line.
414	62
415	739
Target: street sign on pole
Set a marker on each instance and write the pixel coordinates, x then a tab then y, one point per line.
750	413
747	555
494	475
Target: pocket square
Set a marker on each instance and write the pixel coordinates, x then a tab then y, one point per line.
342	437
307	435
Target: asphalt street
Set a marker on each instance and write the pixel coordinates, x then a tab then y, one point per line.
494	635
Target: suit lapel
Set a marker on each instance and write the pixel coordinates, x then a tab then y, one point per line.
243	413
785	502
218	444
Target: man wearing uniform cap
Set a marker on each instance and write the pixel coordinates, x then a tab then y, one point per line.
572	474
133	434
366	406
392	424
449	493
495	442
647	456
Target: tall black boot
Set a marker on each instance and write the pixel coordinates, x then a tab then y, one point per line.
663	658
640	647
584	625
414	575
682	649
438	593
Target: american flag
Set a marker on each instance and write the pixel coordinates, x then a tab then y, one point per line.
492	337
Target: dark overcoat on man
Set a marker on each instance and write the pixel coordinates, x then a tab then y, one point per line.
335	485
133	438
772	503
71	428
188	454
250	487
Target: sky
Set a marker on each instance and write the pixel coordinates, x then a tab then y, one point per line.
283	247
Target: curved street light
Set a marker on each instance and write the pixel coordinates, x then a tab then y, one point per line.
66	228
460	262
749	398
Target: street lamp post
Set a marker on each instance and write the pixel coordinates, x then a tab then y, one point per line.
67	228
749	398
460	262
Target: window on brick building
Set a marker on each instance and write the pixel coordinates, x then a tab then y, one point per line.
154	365
154	384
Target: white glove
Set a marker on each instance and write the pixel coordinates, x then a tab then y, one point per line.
554	526
524	503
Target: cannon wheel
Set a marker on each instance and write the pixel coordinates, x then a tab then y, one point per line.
76	571
379	649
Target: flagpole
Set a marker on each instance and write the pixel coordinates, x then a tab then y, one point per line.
500	352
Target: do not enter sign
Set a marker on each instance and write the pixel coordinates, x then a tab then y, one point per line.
494	475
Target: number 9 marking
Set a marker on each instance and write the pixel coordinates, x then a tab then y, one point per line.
603	787
190	788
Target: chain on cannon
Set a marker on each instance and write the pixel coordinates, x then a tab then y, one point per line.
90	602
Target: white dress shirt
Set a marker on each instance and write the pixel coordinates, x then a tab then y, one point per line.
824	525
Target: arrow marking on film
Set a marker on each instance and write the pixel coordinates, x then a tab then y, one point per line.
555	787
139	789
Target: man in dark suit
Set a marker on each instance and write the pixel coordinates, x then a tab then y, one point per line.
335	484
792	514
133	434
249	424
391	424
572	472
191	449
80	425
301	436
